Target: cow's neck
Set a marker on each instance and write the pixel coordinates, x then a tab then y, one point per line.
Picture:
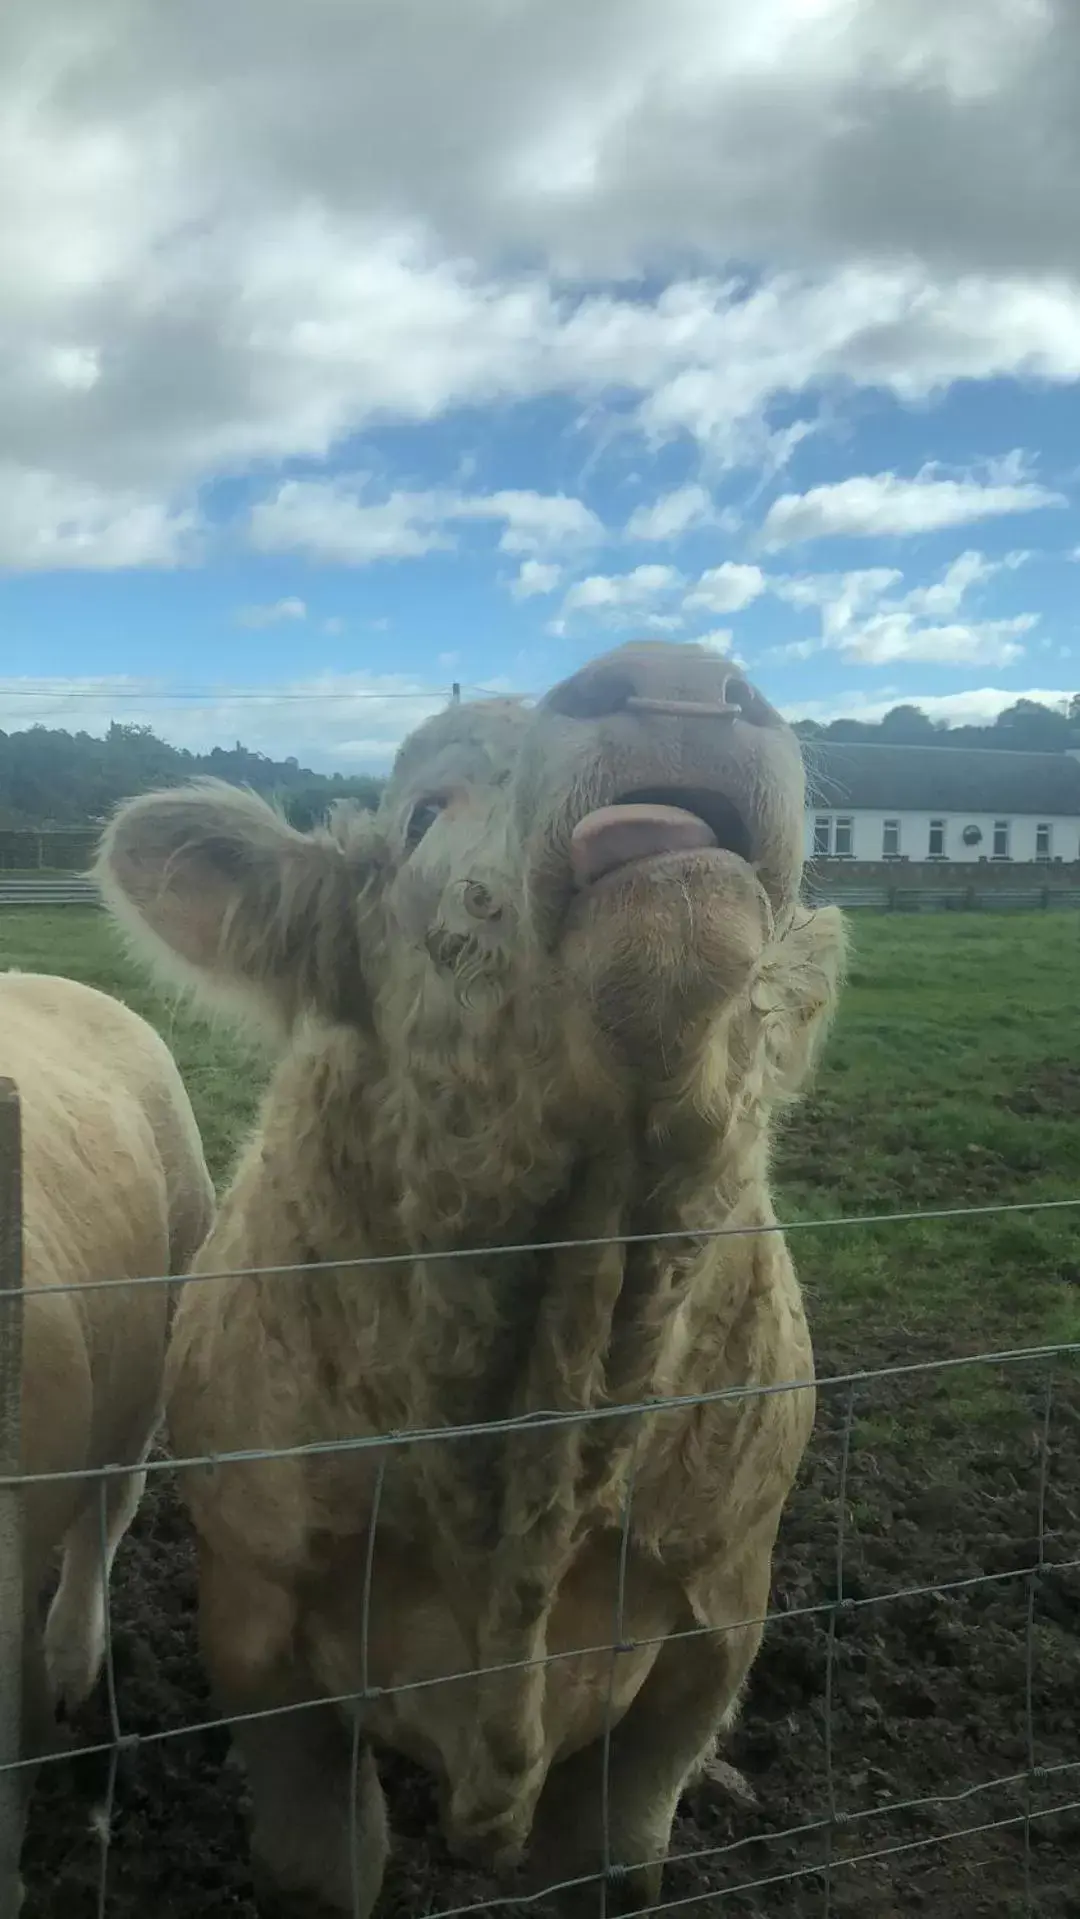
507	1144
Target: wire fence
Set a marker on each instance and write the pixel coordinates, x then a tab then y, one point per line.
1037	1792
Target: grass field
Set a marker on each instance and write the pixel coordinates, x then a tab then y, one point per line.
952	1080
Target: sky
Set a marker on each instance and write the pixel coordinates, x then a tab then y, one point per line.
352	348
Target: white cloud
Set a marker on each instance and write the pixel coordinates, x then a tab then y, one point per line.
309	329
888	637
671	515
278	610
202	269
591	135
840	597
721	640
330	520
726	588
969	569
535	576
353	721
619	594
865	620
534	522
327	521
49	523
880	504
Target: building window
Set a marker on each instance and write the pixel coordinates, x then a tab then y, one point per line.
1001	839
843	847
890	839
936	848
1042	841
822	836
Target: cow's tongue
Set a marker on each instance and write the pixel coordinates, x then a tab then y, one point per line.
614	835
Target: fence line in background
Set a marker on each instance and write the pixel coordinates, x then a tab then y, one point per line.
837	1820
941	899
20	888
74	889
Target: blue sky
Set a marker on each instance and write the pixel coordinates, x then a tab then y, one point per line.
390	356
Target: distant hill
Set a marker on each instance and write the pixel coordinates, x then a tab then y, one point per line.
54	778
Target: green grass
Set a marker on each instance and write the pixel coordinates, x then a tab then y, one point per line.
223	1075
952	1079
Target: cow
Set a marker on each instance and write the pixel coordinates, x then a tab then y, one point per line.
536	1017
115	1188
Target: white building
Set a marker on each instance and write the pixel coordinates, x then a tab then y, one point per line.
940	803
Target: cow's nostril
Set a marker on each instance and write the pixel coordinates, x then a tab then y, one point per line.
592	695
748	703
643	683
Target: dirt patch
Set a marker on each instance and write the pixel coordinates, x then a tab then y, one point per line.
906	1172
1051	1092
928	1700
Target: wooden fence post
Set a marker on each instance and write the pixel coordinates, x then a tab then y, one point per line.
12	1789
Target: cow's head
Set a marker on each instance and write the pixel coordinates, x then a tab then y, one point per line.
602	890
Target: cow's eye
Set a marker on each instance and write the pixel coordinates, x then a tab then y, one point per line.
422	817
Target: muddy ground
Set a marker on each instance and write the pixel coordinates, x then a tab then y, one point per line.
929	1698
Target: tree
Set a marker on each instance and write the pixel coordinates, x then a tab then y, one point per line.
50	777
1033	728
908	726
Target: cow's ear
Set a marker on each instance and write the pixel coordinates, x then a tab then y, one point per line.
216	891
797	991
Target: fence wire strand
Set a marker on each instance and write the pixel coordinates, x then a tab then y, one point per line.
108	1812
617	1639
830	1655
833	1222
836	1819
538	1422
365	1682
345	1700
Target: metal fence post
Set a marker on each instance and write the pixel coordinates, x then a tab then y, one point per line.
11	1498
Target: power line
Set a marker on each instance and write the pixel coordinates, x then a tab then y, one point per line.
243	695
240	695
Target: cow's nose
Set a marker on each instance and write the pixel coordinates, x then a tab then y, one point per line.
661	678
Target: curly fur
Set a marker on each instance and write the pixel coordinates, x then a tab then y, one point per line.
476	1058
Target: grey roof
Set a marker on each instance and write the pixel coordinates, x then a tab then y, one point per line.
940	779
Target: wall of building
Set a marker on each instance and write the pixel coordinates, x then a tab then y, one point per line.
868	835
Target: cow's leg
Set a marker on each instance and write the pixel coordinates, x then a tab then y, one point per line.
75	1627
37	1739
657	1749
299	1770
319	1837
